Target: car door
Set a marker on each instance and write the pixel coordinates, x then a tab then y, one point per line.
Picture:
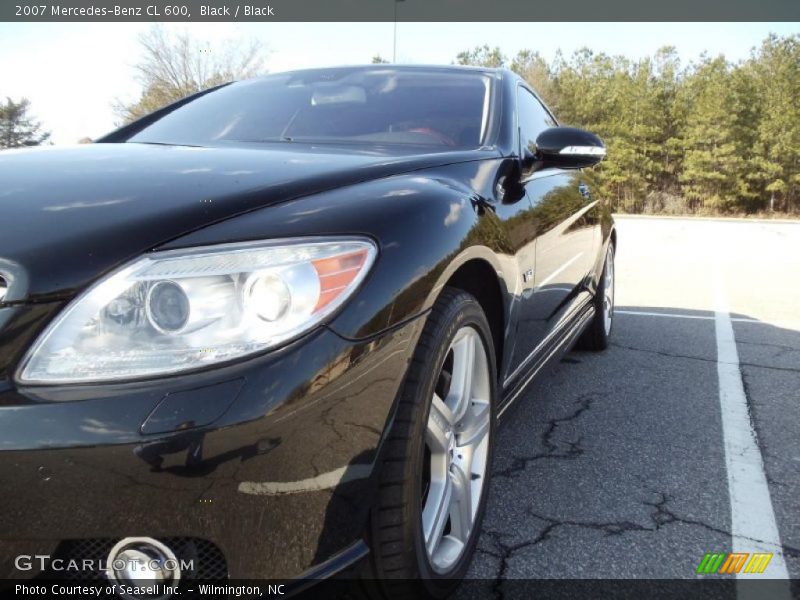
565	224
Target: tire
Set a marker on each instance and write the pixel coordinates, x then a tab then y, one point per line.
416	473
595	337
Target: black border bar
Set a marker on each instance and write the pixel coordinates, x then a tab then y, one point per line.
401	10
705	588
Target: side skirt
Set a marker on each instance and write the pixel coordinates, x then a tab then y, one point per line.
553	349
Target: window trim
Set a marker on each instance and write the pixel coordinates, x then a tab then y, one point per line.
517	133
491	132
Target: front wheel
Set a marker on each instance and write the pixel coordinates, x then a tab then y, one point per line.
436	462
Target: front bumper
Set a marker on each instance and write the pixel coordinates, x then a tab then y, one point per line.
280	482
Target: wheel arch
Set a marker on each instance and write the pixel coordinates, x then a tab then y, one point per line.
479	274
609	239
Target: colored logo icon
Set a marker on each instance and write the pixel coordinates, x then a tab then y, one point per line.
734	562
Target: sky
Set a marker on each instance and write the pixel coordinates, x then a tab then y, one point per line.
73	72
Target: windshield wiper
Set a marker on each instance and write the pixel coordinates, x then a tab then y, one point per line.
164	144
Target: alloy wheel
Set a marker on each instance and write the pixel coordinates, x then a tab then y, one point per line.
608	296
456	450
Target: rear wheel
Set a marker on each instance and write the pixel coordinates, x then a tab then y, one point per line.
599	330
436	462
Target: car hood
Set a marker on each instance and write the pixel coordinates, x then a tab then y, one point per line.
69	215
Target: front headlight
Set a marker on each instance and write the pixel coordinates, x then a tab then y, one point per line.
183	309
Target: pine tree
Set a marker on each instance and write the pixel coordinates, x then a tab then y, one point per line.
712	137
17	128
713	174
776	90
482	56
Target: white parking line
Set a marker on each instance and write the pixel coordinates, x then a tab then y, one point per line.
752	515
785	324
644	313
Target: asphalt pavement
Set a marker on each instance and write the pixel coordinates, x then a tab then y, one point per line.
677	441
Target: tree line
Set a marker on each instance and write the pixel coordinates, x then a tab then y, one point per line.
709	137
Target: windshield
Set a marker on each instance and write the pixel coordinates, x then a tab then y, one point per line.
433	108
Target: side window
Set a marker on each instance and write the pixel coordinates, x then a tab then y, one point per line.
532	118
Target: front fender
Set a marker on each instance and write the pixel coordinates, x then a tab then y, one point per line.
608	235
499	263
426	224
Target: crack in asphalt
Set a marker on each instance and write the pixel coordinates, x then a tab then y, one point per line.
553	449
782	347
662	353
664	516
660	517
746	386
506	551
502	547
748	400
760	438
758	366
701	358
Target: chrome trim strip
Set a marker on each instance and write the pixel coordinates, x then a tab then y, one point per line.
335	564
583	150
550	336
577	326
485	114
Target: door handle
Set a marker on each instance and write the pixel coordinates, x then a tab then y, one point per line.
585	191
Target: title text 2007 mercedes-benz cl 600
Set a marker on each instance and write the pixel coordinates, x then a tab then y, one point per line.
267	331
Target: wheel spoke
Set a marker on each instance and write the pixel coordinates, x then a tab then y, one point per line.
476	426
436	512
460	504
463	368
439	421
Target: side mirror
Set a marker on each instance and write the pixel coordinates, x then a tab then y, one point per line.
567	148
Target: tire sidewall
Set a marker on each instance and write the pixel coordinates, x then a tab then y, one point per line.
601	292
466	313
595	338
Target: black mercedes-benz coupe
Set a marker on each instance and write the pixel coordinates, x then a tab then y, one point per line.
266	332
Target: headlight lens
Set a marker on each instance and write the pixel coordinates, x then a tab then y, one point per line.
177	310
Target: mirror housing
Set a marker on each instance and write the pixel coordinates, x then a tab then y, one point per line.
565	148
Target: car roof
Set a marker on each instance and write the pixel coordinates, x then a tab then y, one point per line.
399	67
